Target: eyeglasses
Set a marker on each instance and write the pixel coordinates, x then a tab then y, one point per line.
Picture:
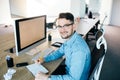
65	26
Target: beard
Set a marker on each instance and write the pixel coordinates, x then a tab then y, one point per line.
66	35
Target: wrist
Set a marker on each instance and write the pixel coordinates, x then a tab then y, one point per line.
41	60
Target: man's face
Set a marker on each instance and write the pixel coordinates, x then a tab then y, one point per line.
65	27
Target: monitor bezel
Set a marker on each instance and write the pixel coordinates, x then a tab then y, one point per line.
20	50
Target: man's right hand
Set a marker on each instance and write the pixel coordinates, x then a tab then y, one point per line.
39	61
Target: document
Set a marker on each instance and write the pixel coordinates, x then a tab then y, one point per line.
35	68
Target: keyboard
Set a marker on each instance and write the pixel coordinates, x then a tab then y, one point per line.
43	53
35	68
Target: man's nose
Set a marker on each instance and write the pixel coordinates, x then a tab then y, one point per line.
62	29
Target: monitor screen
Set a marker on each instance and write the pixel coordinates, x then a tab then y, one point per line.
29	33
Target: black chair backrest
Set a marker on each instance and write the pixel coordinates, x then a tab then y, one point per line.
98	34
97	54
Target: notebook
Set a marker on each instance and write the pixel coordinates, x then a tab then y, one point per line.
35	68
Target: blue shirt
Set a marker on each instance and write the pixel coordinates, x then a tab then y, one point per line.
77	60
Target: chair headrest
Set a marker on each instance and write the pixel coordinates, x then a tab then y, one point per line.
101	40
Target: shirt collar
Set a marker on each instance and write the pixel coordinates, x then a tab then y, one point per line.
72	39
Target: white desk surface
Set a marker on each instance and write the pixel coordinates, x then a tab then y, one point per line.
85	25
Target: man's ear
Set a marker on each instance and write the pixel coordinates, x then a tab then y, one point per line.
74	27
77	22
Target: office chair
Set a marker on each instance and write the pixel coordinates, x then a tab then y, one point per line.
97	56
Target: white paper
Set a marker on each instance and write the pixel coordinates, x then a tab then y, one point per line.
35	68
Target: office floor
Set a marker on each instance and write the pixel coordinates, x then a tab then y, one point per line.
6	38
111	65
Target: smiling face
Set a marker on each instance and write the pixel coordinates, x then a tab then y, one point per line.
65	27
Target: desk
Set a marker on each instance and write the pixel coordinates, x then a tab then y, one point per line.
22	72
85	25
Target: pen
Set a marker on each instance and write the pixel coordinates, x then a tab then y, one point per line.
40	60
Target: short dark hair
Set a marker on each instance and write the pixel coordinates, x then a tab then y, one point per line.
67	15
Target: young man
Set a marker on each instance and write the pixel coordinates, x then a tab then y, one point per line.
75	49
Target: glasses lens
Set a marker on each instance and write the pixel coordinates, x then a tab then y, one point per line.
65	26
59	26
68	24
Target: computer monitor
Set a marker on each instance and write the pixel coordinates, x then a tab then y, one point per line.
29	33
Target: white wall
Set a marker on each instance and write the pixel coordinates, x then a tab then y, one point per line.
18	7
115	13
78	8
50	8
94	5
39	7
105	9
5	17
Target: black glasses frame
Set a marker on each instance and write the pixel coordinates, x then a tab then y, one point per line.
65	26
